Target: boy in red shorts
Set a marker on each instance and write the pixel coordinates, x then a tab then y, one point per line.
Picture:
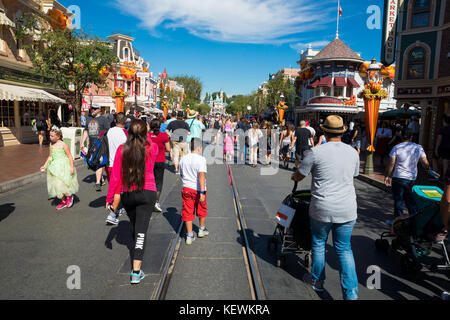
193	174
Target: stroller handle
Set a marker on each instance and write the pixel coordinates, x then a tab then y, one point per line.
295	186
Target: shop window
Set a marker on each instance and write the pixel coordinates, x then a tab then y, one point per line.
416	64
129	88
421	13
127	54
28	111
119	84
325	91
349	92
6	113
338	91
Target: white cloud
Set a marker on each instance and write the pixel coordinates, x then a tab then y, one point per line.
314	44
241	21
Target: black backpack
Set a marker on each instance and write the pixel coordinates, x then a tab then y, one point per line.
98	153
216	125
347	137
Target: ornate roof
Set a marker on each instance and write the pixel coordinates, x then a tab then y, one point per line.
336	50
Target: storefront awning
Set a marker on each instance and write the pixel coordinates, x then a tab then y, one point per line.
314	84
325	82
5	21
340	82
352	83
10	92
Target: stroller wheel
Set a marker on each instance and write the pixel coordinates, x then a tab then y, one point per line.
410	267
395	245
308	260
381	245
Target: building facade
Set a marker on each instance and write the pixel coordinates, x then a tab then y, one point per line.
423	63
330	81
131	73
22	94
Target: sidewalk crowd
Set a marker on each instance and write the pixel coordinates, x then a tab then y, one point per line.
131	150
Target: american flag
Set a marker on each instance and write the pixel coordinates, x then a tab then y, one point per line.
340	11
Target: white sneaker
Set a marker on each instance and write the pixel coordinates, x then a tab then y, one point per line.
203	233
158	207
189	239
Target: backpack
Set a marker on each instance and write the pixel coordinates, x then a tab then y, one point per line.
98	153
216	125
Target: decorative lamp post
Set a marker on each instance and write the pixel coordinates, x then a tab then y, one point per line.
119	95
249	108
281	108
165	105
372	95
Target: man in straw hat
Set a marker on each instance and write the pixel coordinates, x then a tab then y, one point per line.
333	166
195	125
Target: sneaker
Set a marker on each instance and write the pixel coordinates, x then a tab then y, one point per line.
103	181
120	212
315	284
69	201
158	207
203	233
62	205
111	219
189	239
137	277
177	172
98	187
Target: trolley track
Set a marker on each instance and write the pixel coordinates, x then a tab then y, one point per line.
253	274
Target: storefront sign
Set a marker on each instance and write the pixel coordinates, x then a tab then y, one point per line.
389	32
405	91
143	74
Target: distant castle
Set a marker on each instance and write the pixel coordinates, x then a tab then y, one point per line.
217	106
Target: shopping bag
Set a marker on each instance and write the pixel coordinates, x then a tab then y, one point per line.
284	216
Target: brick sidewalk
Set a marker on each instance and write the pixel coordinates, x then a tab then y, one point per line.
379	170
21	160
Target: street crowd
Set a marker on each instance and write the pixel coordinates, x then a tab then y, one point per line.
328	150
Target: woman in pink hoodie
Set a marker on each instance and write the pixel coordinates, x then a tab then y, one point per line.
132	174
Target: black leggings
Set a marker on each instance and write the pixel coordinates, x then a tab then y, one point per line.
158	172
139	207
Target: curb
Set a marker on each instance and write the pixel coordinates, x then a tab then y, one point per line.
31	178
374	182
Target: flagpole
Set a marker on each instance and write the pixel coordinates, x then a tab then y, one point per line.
337	24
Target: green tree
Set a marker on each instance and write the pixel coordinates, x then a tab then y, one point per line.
71	59
192	89
203	108
276	87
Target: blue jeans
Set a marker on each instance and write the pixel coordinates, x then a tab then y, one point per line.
402	191
342	233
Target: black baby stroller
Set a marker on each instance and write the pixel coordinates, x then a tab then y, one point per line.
292	234
415	235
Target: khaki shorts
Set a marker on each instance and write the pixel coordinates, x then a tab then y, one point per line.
179	150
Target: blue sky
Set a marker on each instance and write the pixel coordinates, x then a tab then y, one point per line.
231	45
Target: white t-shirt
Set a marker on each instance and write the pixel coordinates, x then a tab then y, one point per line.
407	155
313	133
190	165
253	137
116	137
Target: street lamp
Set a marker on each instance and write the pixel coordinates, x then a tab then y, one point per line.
372	95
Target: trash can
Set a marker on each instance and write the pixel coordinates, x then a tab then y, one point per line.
72	137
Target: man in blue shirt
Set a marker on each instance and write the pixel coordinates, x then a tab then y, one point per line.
196	126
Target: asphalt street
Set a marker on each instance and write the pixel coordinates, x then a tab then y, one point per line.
39	244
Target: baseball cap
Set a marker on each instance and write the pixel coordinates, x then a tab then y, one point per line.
95	106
